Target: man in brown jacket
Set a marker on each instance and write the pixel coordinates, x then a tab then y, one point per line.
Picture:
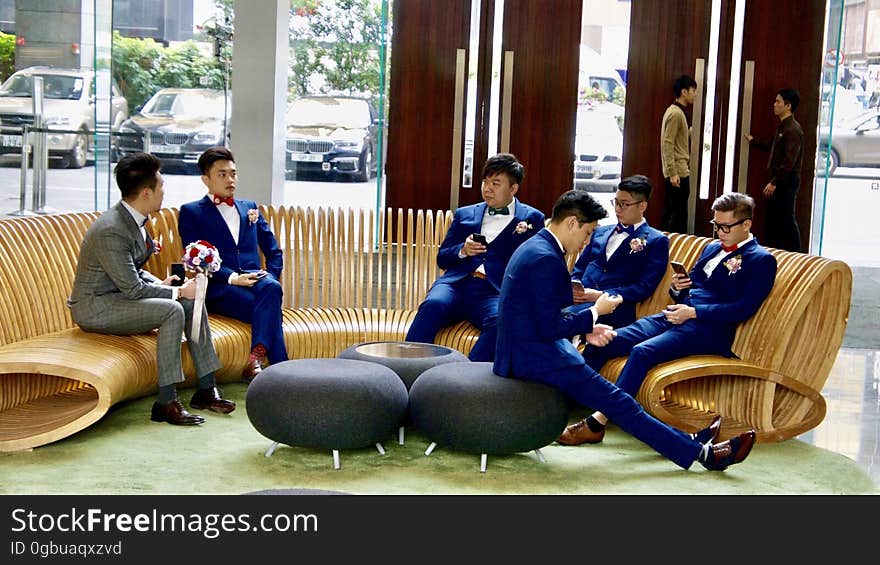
675	156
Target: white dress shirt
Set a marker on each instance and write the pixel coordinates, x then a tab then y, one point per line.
140	219
617	238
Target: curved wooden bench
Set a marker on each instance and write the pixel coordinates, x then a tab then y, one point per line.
56	379
785	352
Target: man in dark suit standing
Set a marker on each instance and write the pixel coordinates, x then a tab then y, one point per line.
468	290
727	286
533	327
112	294
241	289
627	260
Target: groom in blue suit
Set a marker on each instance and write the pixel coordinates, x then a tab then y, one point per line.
534	324
628	259
468	289
727	286
241	289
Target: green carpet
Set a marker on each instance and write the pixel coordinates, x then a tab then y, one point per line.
125	453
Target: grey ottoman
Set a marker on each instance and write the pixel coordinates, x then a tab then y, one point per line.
326	404
465	406
408	359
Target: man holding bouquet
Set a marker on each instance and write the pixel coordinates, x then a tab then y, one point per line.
241	289
112	294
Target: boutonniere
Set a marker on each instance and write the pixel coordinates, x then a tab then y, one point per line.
637	244
522	227
253	215
734	264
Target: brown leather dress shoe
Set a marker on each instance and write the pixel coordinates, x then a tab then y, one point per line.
709	433
174	413
720	456
209	399
251	370
579	433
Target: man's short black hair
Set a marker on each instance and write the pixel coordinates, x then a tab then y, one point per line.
135	171
211	156
742	205
683	82
790	96
579	204
637	184
505	163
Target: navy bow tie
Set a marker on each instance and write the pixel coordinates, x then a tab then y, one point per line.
503	211
631	230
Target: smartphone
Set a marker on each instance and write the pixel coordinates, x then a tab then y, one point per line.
678	268
261	274
179	270
479	238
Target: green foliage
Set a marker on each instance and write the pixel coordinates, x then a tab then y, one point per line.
142	66
619	96
7	55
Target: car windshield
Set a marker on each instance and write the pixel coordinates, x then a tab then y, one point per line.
329	112
185	105
59	87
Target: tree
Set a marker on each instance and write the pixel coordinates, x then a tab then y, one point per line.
7	55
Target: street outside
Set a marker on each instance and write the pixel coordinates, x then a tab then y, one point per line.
852	199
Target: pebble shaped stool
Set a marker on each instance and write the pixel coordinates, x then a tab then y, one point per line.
326	404
408	359
466	406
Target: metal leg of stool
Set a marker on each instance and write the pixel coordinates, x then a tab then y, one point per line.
400	432
336	464
483	458
430	448
271	449
540	456
380	448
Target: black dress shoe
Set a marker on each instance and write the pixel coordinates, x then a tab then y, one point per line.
174	413
209	399
710	433
720	456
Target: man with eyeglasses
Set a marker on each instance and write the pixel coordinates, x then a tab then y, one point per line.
627	260
532	345
473	256
726	286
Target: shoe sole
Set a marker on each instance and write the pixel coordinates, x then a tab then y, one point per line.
162	420
211	408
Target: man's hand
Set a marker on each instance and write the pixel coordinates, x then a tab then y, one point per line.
675	180
606	303
601	335
472	247
680	282
244	279
748	136
188	290
679	313
171	279
582	295
769	189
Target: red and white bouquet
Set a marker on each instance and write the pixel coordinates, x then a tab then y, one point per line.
203	258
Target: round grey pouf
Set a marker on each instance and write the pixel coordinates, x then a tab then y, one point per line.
466	406
408	359
326	403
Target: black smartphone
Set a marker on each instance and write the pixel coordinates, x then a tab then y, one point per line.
179	270
479	238
261	274
678	268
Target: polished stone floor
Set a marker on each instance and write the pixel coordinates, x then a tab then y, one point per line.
852	423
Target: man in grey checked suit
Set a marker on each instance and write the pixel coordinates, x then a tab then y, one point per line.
112	294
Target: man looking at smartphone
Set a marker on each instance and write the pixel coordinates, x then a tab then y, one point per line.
113	295
627	259
241	289
469	287
727	286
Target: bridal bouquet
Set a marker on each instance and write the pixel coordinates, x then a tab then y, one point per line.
202	258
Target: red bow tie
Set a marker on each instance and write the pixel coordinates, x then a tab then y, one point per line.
730	249
218	200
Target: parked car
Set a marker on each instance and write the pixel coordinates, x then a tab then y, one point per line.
854	143
333	136
181	124
598	148
68	104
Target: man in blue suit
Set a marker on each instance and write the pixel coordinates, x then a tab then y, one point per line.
240	289
468	290
727	286
534	324
628	259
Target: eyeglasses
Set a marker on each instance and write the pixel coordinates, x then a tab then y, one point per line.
725	228
618	204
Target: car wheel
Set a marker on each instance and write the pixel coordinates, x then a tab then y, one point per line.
833	160
363	175
76	158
